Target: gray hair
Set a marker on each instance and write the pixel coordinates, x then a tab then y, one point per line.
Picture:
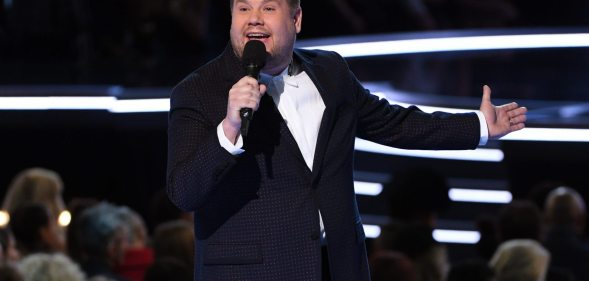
50	267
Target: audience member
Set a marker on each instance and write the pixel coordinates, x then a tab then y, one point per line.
565	214
35	231
175	239
390	265
416	197
520	220
76	206
429	257
102	239
37	185
50	267
168	268
138	257
520	260
162	210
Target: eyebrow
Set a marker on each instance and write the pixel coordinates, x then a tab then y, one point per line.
247	1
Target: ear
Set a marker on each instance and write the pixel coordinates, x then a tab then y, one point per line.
298	19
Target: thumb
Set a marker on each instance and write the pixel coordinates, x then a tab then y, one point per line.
486	94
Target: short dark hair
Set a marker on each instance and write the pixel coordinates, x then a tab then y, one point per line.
292	3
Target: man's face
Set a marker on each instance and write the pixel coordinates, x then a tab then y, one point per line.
271	21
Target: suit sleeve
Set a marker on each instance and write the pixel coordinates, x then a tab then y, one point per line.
196	160
410	128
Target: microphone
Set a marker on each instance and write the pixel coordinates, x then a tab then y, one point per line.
254	59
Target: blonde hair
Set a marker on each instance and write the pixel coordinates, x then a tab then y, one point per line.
520	260
35	185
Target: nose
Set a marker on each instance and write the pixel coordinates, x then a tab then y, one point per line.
256	18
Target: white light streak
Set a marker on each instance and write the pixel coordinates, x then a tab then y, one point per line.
140	105
440	235
468	43
367	188
47	103
371	231
456	236
85	103
480	196
479	154
549	134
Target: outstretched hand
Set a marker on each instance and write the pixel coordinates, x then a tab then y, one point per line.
503	119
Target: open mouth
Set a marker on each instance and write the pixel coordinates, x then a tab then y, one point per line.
257	36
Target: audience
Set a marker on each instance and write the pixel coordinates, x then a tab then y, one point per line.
103	240
520	260
390	265
168	268
35	230
35	185
39	186
50	267
520	219
137	257
416	197
566	215
175	239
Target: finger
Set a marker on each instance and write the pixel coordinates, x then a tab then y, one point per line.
521	111
263	89
518	119
509	106
517	127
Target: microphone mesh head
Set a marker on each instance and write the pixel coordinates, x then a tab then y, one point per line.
254	53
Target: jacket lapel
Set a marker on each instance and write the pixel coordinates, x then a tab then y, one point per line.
316	73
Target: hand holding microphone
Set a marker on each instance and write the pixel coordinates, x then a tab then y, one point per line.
245	95
254	59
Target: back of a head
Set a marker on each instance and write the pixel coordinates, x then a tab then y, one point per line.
175	239
97	228
520	220
168	268
390	265
566	207
520	260
136	227
50	267
35	185
26	224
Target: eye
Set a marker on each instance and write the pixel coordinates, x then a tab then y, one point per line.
269	9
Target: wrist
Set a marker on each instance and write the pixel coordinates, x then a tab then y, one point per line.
231	131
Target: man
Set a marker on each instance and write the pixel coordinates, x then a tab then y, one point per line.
267	206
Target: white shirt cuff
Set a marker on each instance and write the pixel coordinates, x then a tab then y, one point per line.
484	128
234	149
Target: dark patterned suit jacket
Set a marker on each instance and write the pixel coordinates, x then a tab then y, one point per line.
256	213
